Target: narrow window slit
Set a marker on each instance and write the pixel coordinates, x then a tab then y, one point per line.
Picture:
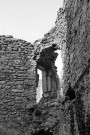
39	91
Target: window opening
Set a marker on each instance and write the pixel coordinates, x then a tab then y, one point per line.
59	65
39	86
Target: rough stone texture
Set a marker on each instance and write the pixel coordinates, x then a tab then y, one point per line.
57	35
77	41
74	20
17	80
19	63
18	84
47	116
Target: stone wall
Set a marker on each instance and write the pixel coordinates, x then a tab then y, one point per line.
18	76
77	16
57	35
17	81
77	43
71	34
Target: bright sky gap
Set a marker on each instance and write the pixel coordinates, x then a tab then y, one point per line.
28	19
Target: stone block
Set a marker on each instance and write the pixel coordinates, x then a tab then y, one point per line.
16	90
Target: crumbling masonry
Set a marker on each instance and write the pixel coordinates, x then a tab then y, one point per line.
19	62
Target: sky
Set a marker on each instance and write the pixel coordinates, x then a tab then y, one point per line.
28	19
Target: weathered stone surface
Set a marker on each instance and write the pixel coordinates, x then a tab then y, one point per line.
77	44
19	61
71	33
16	64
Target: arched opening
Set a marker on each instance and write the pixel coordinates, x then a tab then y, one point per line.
45	81
43	132
51	77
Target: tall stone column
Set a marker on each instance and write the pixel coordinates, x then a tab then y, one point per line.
37	79
44	83
49	83
58	88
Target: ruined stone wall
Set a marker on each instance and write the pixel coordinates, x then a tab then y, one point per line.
77	16
17	76
17	81
71	33
77	42
57	35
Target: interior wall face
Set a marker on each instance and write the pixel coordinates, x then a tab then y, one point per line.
78	20
78	46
